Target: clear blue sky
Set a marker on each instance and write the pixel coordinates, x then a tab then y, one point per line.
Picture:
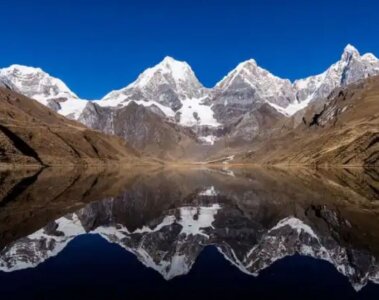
99	45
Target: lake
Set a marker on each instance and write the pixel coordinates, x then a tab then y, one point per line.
189	233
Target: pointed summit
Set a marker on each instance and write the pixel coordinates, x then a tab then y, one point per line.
170	69
350	48
250	63
180	70
170	60
36	83
349	52
242	67
167	83
22	69
248	73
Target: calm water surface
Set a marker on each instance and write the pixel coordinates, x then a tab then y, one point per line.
190	234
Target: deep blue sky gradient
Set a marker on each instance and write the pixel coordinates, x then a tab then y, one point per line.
99	45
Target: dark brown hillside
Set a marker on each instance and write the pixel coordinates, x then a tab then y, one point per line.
32	134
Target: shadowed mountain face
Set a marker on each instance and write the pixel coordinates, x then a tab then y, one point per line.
166	218
144	129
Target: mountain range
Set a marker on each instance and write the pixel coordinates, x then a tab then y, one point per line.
167	113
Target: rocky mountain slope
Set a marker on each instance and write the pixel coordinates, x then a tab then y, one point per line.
31	133
144	129
340	130
351	68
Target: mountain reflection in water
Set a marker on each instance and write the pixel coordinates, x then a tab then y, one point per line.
179	221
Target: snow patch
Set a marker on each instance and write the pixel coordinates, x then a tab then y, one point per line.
297	225
228	159
209	192
195	112
168	220
72	107
194	219
292	108
208	139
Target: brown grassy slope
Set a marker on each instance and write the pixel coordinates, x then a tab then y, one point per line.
346	132
31	133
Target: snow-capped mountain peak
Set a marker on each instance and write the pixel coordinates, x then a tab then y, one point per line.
252	85
167	85
37	84
251	74
23	69
370	57
349	52
351	68
242	69
249	62
168	71
246	64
